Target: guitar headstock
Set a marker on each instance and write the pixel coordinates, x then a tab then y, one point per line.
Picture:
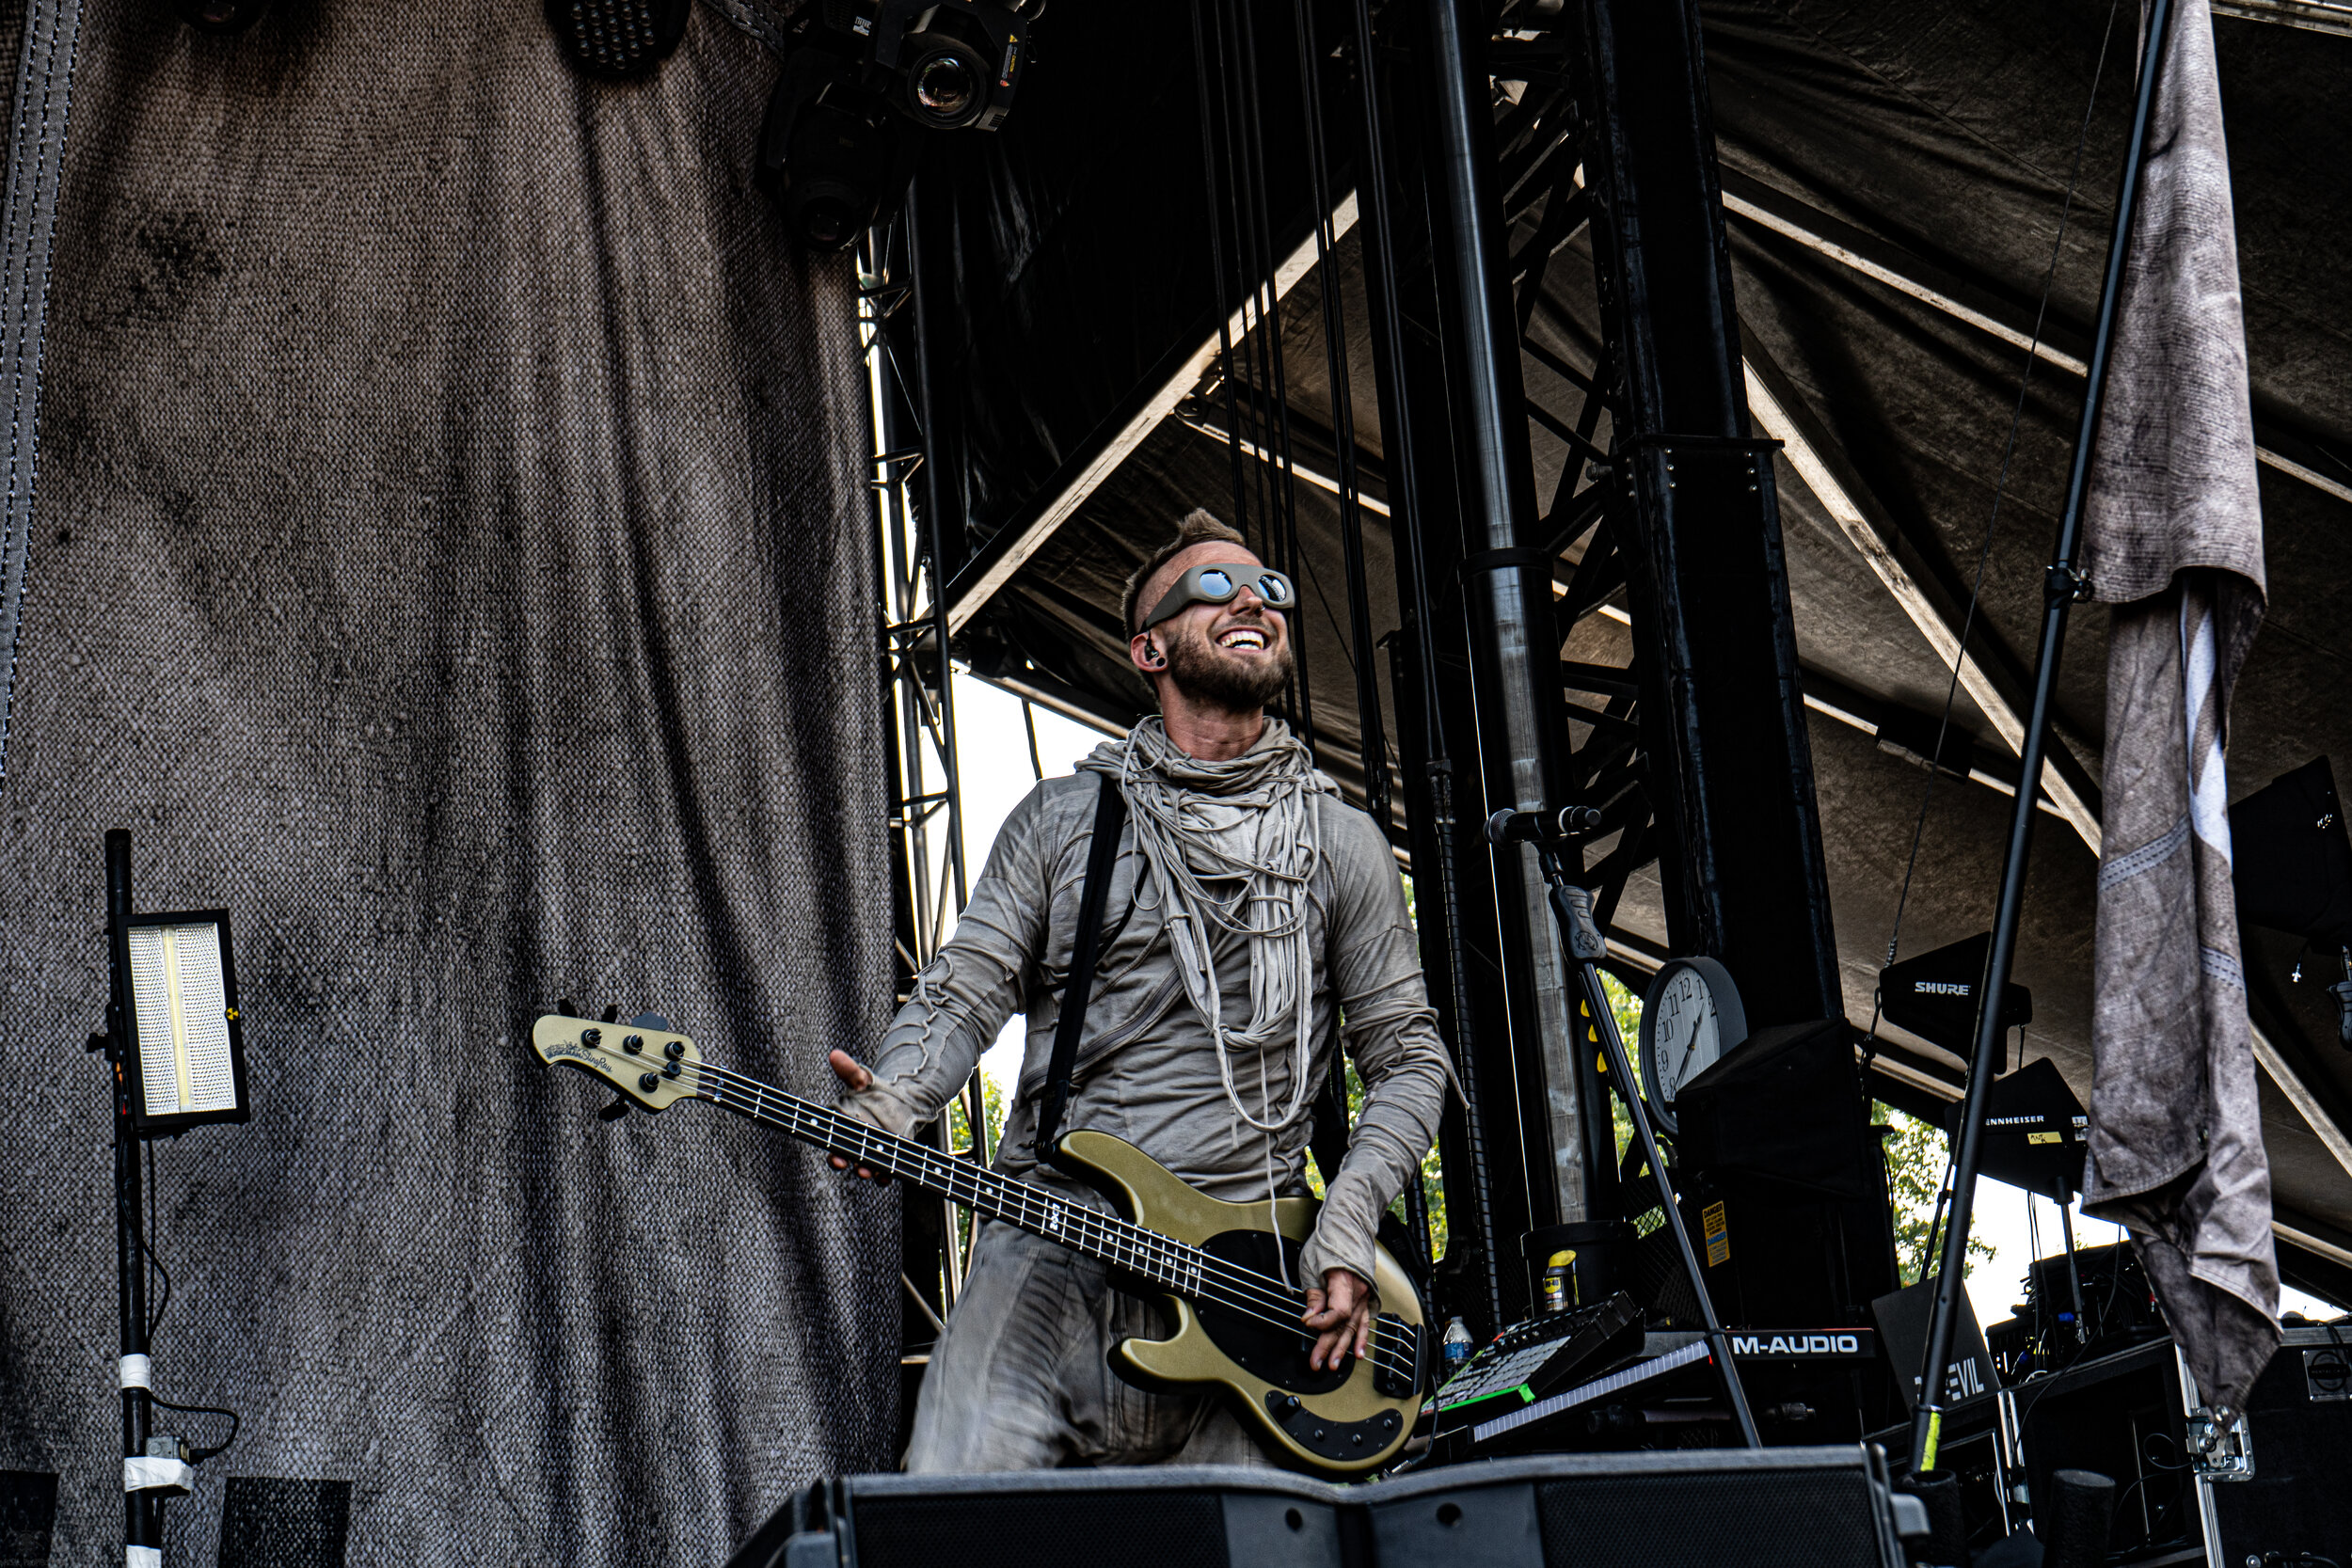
650	1066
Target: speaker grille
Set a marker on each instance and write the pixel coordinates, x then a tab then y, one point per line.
28	1512
1045	1529
1735	1519
271	1523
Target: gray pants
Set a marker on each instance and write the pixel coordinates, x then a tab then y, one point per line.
1019	1381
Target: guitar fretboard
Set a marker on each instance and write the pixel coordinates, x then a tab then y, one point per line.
1172	1265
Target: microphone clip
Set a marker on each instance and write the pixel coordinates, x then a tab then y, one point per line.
1543	826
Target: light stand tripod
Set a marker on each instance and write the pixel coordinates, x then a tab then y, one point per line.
174	1046
1580	936
146	1479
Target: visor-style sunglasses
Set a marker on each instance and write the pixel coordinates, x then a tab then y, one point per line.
1217	585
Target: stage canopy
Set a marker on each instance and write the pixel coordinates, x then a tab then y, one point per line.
1895	176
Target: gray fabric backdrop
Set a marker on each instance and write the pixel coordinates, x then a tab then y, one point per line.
450	558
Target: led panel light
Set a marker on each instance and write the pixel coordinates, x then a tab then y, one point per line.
187	1059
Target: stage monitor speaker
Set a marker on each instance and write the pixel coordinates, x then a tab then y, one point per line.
2291	859
1786	1107
1723	1508
1167	1516
1692	1507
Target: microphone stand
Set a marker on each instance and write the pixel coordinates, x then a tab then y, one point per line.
2062	586
1572	910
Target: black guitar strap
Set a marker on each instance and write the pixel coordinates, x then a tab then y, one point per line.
1110	816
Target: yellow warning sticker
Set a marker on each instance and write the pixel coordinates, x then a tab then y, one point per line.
1718	1235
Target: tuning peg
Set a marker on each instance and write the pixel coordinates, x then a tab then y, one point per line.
612	1014
565	1005
613	1111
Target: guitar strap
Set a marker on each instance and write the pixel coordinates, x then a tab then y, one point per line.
1110	816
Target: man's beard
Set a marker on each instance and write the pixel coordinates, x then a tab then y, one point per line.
1196	669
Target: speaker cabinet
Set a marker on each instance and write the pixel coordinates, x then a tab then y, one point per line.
1699	1507
2298	1422
1776	1508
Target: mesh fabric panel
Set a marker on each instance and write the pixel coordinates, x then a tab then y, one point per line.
1730	1519
451	559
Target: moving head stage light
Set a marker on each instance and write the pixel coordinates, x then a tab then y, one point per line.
839	145
947	63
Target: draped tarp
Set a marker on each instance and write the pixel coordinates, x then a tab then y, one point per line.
451	558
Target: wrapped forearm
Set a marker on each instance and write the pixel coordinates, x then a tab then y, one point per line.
1394	1040
961	1000
963	997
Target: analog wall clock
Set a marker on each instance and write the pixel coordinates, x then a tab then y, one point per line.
1690	1017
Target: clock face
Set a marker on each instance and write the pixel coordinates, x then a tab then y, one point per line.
1690	1017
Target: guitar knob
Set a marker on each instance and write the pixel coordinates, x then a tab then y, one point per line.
633	1044
590	1037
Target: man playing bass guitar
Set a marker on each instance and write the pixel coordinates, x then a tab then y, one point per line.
1254	923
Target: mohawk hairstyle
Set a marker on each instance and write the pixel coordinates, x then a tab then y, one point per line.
1199	527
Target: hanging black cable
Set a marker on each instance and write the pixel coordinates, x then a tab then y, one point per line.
1263	426
1372	739
1208	165
1247	271
2001	491
1388	353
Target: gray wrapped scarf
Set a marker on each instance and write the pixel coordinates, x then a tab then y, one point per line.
1230	847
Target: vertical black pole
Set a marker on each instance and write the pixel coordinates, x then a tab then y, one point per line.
1506	588
2058	600
142	1521
1429	769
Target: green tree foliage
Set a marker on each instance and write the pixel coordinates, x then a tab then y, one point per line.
1917	1154
991	1108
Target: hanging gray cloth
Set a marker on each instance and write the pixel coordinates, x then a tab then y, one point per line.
451	556
2173	541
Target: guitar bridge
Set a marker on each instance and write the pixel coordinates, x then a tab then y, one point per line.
1402	1379
1339	1441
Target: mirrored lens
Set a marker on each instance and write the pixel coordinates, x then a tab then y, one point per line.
1273	588
944	85
1216	584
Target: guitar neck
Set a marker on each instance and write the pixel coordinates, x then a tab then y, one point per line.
1170	1264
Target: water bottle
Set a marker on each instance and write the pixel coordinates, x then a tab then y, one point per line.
1456	1345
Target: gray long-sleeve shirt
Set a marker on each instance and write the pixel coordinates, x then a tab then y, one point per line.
1147	1068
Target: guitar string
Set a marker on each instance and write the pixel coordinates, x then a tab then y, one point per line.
1126	1243
1088	1228
1263	1289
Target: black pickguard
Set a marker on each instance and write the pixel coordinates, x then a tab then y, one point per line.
1275	1351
